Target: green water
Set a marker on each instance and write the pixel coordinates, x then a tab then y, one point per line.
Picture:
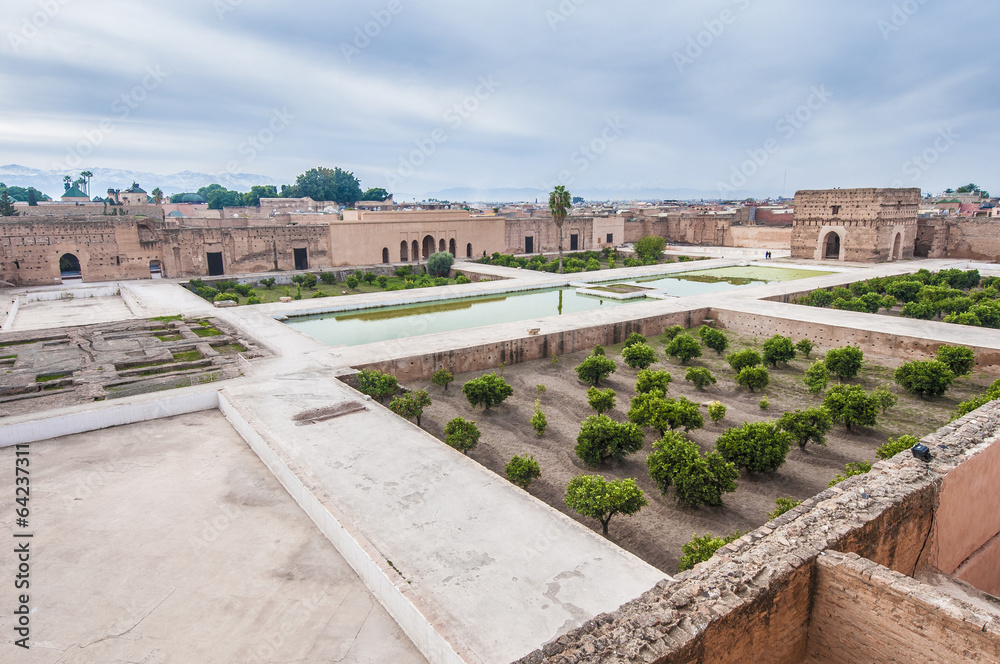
384	323
702	282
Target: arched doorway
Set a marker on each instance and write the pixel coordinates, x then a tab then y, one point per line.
896	247
155	270
428	246
69	268
441	245
451	247
385	254
404	251
468	250
416	251
831	247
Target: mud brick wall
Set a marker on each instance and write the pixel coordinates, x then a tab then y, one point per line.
975	239
863	612
755	237
254	249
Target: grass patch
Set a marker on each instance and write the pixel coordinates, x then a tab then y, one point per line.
229	348
8	357
187	356
45	378
19	343
167	319
169	337
208	332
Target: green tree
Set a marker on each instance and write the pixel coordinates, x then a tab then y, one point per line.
157	195
817	377
538	421
700	549
257	192
895	446
7	204
696	480
805	426
375	194
639	356
442	377
760	447
925	378
671	332
439	264
850	405
747	357
488	390
601	400
601	439
783	505
960	359
595	367
650	380
850	470
716	411
559	204
700	376
411	405
753	378
844	363
972	404
684	347
650	249
652	409
461	434
522	471
376	384
714	339
325	184
805	347
778	349
595	497
884	399
634	338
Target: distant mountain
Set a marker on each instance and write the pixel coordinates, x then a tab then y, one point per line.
51	182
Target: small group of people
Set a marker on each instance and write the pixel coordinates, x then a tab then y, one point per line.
767	255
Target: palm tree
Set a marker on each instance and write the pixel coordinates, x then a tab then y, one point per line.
157	196
559	203
66	180
86	175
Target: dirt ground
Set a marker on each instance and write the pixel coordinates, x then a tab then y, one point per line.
657	533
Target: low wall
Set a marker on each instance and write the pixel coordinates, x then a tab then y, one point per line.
9	313
865	613
71	294
529	348
131	301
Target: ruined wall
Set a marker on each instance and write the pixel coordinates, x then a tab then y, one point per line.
975	239
757	237
865	613
591	233
243	249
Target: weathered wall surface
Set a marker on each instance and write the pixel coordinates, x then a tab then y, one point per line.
591	233
865	613
362	242
243	249
757	237
975	239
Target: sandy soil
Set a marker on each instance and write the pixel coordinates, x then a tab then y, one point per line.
657	533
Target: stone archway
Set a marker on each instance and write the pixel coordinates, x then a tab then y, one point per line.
897	247
441	245
404	252
452	247
69	268
831	246
468	250
416	251
428	246
385	254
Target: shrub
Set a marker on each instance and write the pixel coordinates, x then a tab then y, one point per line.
760	447
598	350
267	283
672	331
653	410
593	265
960	359
904	290
925	378
817	377
439	264
382	281
522	471
404	271
595	367
309	281
920	310
783	505
461	434
895	446
442	377
716	411
764	403
634	338
639	356
884	399
753	378
650	380
966	407
328	278
700	377
488	390
850	470
376	384
246	290
696	480
700	549
595	497
602	439
352	282
225	285
462	279
650	249
844	362
850	405
538	421
541	389
411	405
684	347
744	358
807	426
253	300
714	339
601	400
778	349
221	297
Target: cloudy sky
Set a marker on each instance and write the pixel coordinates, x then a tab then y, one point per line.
709	96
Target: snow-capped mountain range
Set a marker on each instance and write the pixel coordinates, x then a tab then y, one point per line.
51	182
